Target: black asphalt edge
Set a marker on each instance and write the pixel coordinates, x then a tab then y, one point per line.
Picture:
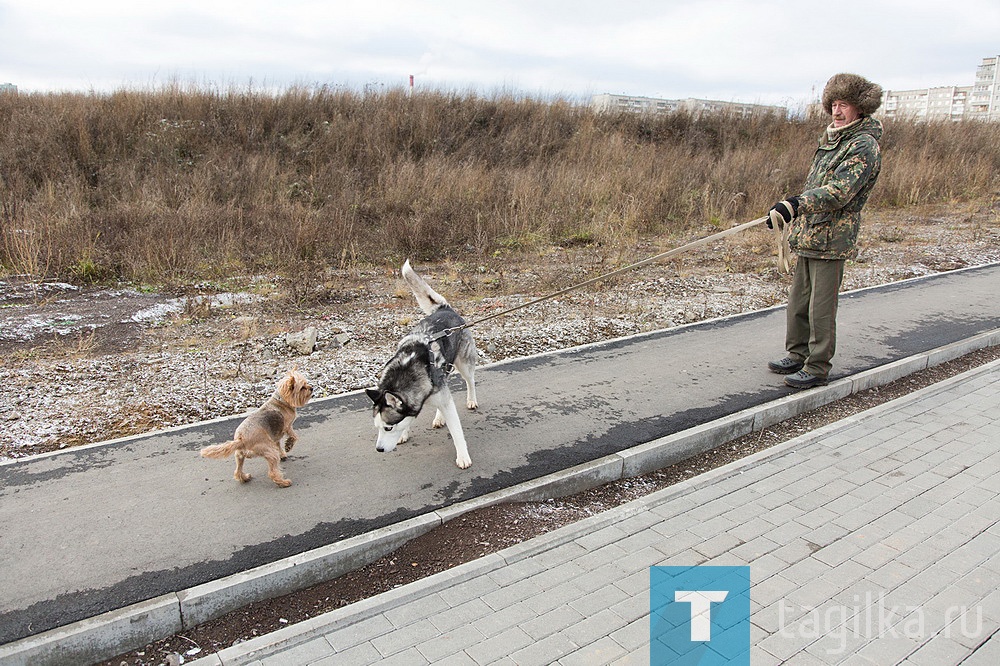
106	635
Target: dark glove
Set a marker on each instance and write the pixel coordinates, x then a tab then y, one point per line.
783	212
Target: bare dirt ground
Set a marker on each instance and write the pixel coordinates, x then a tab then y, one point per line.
95	363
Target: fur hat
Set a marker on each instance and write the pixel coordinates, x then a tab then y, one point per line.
853	89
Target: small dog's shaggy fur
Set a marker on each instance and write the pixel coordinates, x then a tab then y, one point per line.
261	433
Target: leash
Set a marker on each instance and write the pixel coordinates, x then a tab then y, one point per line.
784	264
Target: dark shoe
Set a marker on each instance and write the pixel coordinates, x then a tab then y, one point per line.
785	366
803	380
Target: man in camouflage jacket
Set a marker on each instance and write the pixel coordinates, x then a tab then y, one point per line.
825	220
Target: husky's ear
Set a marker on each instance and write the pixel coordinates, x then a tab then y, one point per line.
374	394
394	401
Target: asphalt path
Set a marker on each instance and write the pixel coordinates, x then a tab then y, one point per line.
98	528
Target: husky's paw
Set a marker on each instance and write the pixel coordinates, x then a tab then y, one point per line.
404	436
439	421
463	462
472	404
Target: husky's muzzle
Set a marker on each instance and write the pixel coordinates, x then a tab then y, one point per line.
390	436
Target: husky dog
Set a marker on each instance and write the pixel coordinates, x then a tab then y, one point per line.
418	373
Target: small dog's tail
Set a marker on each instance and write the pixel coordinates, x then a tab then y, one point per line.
220	450
428	299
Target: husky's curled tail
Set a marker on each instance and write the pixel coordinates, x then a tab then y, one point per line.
428	299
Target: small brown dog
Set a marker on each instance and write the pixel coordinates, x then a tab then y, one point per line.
261	433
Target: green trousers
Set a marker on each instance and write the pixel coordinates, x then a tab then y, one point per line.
811	325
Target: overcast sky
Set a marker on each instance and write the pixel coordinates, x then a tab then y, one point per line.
763	51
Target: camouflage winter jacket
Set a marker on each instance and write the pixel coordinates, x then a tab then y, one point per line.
843	172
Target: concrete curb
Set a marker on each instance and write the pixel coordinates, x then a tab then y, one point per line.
98	637
106	635
213	599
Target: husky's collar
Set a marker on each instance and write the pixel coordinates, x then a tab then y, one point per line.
446	332
428	339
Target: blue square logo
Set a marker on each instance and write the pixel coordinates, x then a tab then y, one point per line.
699	616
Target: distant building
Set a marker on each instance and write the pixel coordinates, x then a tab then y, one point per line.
611	103
8	88
943	103
632	104
980	101
984	103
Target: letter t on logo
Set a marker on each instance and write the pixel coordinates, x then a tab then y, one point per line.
701	610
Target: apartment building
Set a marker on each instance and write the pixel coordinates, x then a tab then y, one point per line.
980	101
984	102
943	103
632	104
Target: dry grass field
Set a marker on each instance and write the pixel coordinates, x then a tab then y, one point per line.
183	184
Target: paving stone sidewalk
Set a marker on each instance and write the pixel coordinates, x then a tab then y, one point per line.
874	540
